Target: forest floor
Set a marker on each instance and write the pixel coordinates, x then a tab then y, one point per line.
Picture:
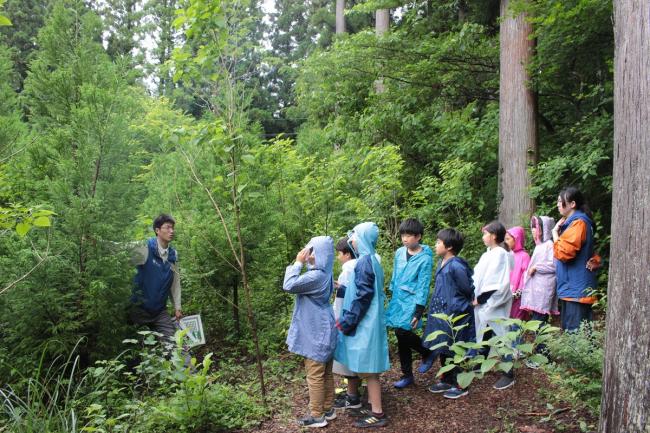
530	406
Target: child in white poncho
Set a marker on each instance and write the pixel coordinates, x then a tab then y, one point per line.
492	295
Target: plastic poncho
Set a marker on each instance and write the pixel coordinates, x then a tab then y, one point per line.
346	277
312	333
492	273
363	343
409	286
539	294
517	275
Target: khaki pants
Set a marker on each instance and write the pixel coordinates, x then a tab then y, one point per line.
321	386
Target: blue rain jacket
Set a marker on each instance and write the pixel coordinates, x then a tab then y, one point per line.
363	343
454	291
409	286
153	279
312	333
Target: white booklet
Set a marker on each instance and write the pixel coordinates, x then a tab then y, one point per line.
195	335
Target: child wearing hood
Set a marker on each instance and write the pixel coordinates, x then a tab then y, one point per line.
312	334
453	296
410	289
516	240
363	344
538	295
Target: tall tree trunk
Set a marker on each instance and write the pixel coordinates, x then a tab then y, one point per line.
235	305
517	118
625	404
340	16
382	23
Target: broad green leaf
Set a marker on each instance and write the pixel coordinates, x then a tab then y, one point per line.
526	348
445	369
465	378
42	221
22	228
434	335
488	365
457	318
4	21
505	366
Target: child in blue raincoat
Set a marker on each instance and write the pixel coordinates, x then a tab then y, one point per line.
410	289
312	333
453	295
363	343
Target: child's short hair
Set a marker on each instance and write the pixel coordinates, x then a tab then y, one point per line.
411	226
499	231
343	246
452	238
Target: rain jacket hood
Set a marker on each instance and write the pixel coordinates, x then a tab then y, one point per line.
520	237
323	253
544	226
365	235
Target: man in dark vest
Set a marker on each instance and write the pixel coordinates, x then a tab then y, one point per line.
156	280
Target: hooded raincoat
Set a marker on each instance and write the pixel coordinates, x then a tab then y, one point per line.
409	286
363	343
312	333
492	274
518	272
539	293
453	295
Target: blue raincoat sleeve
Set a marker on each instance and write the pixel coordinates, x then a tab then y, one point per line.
463	281
424	282
305	284
364	279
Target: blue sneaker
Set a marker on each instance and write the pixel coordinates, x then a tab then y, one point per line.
427	363
404	382
455	393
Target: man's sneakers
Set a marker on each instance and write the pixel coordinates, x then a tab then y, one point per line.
347	402
404	382
427	363
439	387
310	421
504	382
454	393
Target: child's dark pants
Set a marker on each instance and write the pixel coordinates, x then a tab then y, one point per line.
407	341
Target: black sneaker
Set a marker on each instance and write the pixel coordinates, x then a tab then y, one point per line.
371	421
310	421
439	387
360	413
330	414
348	402
454	393
504	382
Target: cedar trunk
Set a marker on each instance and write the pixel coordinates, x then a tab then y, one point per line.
517	119
340	16
382	23
625	404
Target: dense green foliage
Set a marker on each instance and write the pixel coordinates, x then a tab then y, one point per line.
256	134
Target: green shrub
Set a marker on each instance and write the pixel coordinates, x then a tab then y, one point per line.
577	365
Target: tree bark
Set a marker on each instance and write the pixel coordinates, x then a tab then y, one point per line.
517	119
340	17
382	23
625	404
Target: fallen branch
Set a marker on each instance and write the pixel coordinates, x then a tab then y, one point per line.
555	412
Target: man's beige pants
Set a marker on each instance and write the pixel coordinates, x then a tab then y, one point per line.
321	386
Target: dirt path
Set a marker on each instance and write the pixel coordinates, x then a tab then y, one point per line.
520	408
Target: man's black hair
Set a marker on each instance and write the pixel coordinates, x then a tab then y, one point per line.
343	246
452	238
411	226
161	219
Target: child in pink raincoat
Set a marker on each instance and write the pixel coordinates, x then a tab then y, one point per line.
539	296
516	240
